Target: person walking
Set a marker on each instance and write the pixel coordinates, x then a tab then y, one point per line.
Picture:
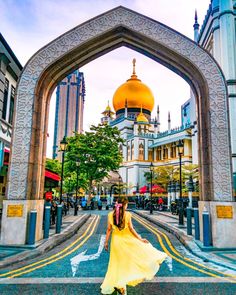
132	258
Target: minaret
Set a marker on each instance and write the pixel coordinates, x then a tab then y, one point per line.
155	126
158	119
169	122
196	27
107	115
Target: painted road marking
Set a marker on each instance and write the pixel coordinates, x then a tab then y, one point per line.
75	261
169	262
55	257
180	255
157	233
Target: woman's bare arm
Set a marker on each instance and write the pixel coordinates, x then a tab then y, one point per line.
108	234
133	231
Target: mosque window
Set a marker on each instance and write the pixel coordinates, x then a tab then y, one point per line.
165	152
132	151
158	154
139	129
128	153
150	155
141	152
173	150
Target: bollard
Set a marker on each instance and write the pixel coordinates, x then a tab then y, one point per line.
32	227
59	219
47	210
196	223
206	228
189	221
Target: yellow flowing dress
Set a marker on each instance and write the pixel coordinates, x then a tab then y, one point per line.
131	260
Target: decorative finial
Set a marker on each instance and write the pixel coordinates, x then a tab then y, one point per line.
158	109
196	18
108	102
168	116
134	62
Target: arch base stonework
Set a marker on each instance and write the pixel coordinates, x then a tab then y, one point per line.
88	41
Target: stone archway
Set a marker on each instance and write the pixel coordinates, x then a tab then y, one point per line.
115	28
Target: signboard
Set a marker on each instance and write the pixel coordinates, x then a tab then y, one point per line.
15	210
224	212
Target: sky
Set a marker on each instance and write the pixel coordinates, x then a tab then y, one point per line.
28	25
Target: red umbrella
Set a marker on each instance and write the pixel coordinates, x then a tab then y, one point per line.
143	189
158	189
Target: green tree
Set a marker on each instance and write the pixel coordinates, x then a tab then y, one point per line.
53	165
97	152
162	175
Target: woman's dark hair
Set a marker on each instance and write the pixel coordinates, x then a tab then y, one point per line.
121	202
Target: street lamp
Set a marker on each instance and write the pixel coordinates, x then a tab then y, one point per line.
119	184
63	146
180	147
77	162
151	207
68	194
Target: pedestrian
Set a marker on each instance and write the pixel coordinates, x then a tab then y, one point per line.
160	204
53	212
132	258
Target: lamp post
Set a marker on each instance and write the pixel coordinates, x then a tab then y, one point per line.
119	184
180	147
63	146
151	207
77	162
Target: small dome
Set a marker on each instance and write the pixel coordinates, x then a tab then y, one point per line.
141	118
134	93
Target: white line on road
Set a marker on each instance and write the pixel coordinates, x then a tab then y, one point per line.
98	280
75	261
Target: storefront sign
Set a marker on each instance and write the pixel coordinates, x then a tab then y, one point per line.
15	210
224	212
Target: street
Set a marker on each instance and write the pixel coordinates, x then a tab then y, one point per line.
78	266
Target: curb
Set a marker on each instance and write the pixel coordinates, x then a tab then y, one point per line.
186	240
47	244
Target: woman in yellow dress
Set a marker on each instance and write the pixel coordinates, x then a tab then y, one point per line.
132	258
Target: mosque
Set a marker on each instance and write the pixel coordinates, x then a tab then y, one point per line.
133	103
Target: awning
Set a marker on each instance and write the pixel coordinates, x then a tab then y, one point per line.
6	150
52	175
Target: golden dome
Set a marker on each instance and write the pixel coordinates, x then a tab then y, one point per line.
141	118
134	93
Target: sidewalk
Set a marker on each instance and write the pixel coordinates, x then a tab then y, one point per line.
70	225
169	222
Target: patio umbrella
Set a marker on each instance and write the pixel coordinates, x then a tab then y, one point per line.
143	189
158	189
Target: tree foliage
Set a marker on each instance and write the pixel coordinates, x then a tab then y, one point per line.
97	152
53	165
162	175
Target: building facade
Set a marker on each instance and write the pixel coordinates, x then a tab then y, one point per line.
10	69
70	95
133	103
217	35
